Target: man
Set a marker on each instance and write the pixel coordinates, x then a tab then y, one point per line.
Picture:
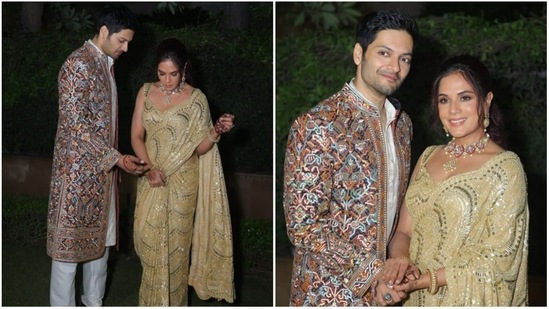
82	213
346	171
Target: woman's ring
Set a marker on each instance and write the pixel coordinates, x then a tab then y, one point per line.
387	297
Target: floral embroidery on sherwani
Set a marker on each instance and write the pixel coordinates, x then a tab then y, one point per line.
84	154
335	198
182	231
475	225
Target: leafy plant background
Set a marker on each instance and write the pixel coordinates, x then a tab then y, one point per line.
234	70
233	67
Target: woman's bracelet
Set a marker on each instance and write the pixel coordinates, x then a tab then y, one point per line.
433	288
213	140
150	169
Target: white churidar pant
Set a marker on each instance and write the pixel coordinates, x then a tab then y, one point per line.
94	274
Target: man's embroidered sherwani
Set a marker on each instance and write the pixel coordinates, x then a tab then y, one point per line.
335	198
82	187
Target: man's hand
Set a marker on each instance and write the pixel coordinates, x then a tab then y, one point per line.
395	281
384	295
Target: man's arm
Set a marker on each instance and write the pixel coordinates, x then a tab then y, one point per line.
83	125
307	195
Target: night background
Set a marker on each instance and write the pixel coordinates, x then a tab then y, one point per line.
314	43
232	47
230	44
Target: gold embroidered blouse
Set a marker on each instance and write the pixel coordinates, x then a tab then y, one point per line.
476	226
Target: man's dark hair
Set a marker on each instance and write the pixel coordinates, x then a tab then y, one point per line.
116	18
384	20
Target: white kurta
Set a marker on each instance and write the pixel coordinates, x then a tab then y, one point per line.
392	160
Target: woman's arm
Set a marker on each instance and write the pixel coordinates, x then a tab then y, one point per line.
399	274
224	124
400	244
138	130
155	177
398	265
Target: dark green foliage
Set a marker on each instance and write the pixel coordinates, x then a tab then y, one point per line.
312	66
257	241
515	53
24	222
171	7
327	15
69	19
26	280
234	70
498	11
309	69
29	90
24	218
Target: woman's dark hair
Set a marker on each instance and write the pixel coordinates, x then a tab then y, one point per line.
174	50
477	75
116	18
375	22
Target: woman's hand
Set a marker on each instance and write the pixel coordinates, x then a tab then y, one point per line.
156	178
408	286
224	124
396	270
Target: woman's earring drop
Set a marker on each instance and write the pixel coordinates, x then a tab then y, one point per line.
486	122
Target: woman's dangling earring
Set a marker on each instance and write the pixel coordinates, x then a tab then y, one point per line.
447	134
183	73
486	122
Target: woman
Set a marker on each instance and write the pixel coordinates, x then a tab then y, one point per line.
172	132
462	238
